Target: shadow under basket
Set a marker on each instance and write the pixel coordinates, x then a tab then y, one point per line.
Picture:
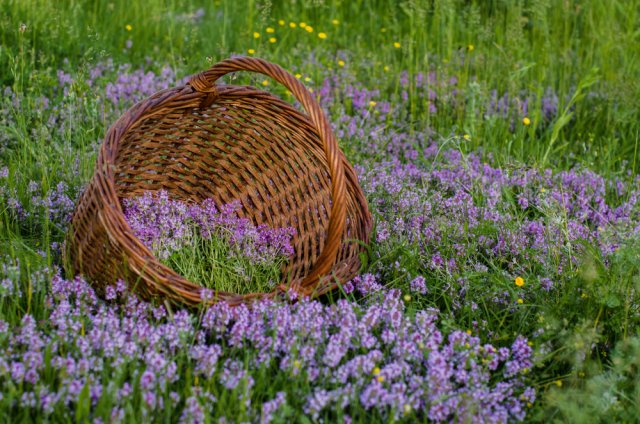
224	142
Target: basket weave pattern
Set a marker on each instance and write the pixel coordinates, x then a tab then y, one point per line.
207	140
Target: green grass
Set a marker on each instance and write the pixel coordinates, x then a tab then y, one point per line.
517	46
574	48
216	264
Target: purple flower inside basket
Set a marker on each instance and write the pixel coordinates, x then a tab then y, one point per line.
236	249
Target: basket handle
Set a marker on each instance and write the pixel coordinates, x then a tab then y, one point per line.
205	82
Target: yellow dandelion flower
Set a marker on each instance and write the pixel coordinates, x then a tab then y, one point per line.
469	332
407	298
542	190
303	24
256	35
520	301
386	68
335	22
380	378
307	79
519	281
296	364
322	35
558	383
375	371
308	28
373	104
292	24
310	90
471	47
128	27
281	22
396	45
270	30
265	82
584	295
466	137
298	76
273	39
341	63
251	51
526	121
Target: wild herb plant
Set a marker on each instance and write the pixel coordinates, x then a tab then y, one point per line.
209	246
498	146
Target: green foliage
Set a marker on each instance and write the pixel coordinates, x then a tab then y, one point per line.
218	265
585	333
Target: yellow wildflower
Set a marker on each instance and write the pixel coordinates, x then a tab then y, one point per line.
471	47
375	371
256	35
520	301
519	281
526	121
271	30
558	383
322	35
373	104
251	51
341	63
386	68
292	24
396	45
380	378
407	298
281	22
273	39
383	30
335	22
407	409
308	28
303	24
265	82
307	79
466	137
128	27
298	76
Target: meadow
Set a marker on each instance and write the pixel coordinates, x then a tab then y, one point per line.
498	145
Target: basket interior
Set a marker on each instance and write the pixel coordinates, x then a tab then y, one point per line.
260	151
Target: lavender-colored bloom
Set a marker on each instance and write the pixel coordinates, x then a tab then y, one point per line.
193	413
418	285
270	407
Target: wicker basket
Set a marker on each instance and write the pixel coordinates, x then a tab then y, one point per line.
223	142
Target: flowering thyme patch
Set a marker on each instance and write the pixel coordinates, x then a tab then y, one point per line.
214	248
